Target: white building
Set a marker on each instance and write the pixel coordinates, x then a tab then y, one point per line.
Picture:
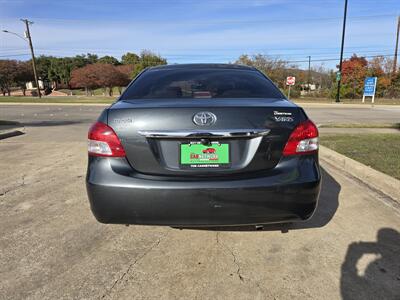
31	85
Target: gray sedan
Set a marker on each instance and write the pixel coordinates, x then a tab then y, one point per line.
203	145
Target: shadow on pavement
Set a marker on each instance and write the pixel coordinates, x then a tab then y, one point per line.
378	279
327	206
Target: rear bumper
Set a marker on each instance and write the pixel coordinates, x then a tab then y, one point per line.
287	193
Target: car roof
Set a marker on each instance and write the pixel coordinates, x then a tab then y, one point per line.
202	66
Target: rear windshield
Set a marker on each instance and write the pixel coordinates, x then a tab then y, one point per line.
201	83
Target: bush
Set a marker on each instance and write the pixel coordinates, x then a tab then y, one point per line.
345	91
320	93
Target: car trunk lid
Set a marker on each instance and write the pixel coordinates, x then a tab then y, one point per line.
249	134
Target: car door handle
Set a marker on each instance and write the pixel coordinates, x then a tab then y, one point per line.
187	134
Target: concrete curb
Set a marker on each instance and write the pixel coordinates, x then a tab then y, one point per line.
377	180
6	133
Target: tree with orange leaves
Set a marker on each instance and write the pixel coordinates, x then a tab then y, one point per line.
354	71
98	75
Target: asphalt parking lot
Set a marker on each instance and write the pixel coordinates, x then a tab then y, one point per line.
51	246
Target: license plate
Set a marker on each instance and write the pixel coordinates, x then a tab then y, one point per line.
198	155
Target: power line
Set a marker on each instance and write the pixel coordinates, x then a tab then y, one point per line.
220	49
226	21
166	52
218	56
335	59
321	56
12	55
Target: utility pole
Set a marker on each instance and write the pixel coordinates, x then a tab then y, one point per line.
396	49
341	52
309	74
28	36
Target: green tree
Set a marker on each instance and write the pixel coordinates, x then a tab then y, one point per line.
130	59
82	60
58	70
148	59
108	60
43	65
91	58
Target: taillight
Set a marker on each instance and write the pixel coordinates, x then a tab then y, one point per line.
303	139
103	141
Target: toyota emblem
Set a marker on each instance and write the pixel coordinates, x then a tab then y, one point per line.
204	118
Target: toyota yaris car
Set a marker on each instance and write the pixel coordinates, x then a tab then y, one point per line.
203	145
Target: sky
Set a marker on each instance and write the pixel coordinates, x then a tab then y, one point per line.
195	31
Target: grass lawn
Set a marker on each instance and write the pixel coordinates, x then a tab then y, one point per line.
361	125
66	99
379	151
81	92
378	101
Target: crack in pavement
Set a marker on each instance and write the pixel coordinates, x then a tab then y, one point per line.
109	291
238	271
16	187
232	254
37	173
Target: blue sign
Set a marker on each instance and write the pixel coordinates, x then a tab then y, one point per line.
369	86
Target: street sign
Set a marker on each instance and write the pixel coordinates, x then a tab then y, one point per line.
369	88
338	76
290	80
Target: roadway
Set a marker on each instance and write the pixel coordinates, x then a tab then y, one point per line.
320	113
